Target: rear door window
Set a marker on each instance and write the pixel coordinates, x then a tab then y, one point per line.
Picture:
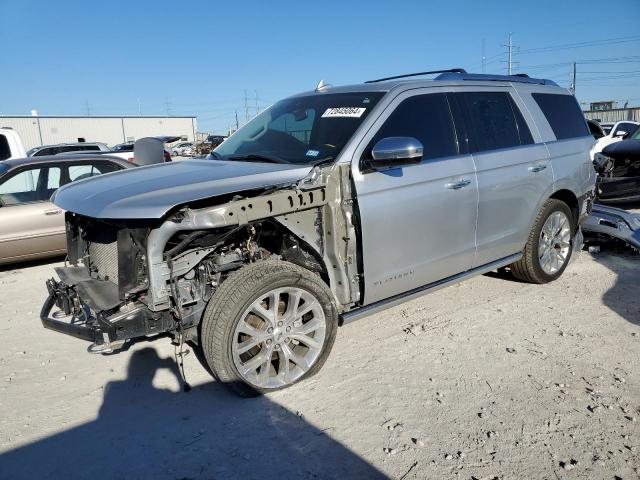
493	121
82	171
426	118
563	114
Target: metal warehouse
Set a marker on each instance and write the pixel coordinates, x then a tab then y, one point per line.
39	130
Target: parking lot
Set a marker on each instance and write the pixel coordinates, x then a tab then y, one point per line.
491	378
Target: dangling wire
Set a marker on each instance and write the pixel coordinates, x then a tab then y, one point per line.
178	350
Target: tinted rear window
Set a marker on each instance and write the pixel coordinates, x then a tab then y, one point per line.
563	114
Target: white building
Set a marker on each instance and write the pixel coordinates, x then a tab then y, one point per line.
36	130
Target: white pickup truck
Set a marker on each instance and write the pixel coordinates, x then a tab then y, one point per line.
11	144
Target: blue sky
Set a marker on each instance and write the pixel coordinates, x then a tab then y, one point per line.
199	57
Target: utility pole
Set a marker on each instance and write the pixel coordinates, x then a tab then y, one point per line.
246	107
86	103
257	107
167	106
510	48
484	56
139	108
573	82
237	123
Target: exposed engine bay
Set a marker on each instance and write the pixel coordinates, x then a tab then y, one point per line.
129	278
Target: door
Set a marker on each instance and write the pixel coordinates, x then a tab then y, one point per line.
417	222
513	173
31	225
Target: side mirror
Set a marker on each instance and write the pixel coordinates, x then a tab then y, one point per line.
620	133
396	152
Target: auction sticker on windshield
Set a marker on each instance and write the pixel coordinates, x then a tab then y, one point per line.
352	112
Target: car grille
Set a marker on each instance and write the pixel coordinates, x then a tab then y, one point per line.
103	256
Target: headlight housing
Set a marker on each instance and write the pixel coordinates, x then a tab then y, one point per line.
602	163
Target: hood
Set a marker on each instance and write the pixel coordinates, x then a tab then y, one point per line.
151	191
625	148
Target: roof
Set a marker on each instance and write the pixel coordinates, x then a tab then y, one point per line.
63	159
98	116
70	144
453	78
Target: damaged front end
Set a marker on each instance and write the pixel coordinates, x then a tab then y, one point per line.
99	294
133	279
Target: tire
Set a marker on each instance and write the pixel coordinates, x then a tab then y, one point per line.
531	267
230	325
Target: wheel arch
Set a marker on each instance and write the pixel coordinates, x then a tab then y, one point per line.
568	197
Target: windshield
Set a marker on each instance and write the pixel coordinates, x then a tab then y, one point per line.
301	130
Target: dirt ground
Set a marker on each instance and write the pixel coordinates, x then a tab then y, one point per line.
487	379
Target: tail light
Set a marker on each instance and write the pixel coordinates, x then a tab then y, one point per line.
130	159
167	157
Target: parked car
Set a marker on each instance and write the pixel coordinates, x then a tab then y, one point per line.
618	132
183	149
32	227
619	164
10	144
209	144
84	147
327	207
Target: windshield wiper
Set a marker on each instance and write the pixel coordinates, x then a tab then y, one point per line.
256	157
323	161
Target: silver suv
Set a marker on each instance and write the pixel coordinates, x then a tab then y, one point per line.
327	207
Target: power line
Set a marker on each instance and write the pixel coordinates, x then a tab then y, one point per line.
592	43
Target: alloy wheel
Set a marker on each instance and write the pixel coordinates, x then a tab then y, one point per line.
279	337
554	243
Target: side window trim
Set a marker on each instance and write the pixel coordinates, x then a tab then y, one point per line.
520	122
460	114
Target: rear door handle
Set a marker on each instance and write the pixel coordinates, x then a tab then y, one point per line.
537	168
457	185
55	211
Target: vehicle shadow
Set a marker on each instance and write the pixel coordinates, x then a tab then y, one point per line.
146	432
623	296
31	263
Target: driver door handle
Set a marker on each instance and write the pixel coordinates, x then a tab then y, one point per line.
458	185
55	211
537	168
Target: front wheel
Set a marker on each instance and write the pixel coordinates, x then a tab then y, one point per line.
549	246
270	324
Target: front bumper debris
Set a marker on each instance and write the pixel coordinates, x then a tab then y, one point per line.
66	311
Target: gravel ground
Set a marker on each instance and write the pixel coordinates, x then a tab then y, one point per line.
488	379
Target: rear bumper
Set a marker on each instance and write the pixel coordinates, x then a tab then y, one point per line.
74	315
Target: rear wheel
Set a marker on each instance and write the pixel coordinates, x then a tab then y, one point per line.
270	324
549	246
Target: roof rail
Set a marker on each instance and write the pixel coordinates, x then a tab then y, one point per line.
451	70
519	78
